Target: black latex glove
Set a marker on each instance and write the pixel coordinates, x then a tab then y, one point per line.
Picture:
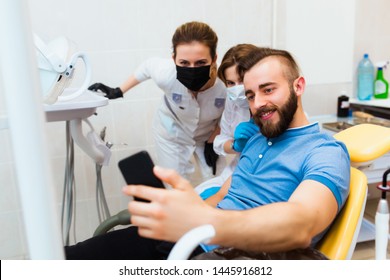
210	156
110	93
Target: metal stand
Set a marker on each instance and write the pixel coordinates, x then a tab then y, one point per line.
382	221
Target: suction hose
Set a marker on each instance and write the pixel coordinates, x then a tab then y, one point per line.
121	218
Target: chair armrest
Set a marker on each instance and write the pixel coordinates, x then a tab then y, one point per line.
188	242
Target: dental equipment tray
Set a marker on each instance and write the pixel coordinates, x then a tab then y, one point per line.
339	126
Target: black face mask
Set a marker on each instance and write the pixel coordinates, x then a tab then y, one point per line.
193	78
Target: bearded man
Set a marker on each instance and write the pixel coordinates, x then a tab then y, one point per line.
289	184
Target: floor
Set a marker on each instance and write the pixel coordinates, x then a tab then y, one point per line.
366	250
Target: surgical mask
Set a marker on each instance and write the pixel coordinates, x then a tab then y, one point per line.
237	95
193	78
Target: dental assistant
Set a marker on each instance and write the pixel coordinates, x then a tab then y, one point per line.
236	111
187	120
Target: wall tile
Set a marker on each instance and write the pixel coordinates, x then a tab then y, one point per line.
5	146
253	25
373	37
322	99
181	14
11	241
9	200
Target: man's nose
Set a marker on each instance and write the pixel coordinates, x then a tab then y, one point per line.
259	102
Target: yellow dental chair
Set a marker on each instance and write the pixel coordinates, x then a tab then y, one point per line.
340	240
365	143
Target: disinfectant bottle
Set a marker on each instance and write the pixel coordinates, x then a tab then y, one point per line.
366	75
381	85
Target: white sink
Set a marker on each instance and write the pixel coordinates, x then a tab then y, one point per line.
78	108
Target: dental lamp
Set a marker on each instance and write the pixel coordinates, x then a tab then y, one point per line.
56	63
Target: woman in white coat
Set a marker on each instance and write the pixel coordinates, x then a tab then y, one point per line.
187	120
236	111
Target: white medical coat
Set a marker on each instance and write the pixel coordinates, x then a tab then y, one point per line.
182	123
231	117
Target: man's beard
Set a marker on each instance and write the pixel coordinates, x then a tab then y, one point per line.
286	113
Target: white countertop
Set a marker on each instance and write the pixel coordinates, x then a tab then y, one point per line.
329	118
80	107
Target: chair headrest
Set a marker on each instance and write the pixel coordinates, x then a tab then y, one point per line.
365	142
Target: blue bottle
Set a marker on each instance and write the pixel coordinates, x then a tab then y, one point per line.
366	78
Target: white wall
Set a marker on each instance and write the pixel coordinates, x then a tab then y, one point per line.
119	34
320	34
323	50
372	32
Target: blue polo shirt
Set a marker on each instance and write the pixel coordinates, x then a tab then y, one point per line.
269	170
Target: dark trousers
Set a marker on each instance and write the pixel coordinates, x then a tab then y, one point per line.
123	244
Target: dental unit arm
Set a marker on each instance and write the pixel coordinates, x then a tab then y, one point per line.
92	144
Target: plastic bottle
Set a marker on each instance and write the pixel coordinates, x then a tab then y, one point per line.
343	106
366	75
381	85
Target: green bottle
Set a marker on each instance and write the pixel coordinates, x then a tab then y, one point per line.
381	85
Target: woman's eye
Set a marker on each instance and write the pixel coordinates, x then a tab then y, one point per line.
200	63
182	62
230	84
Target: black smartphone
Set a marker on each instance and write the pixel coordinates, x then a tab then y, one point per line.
137	169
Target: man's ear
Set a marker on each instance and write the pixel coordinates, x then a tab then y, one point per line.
299	85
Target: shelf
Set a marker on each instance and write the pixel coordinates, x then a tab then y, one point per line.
383	103
377	107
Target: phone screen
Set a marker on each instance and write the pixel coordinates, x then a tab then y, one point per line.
137	169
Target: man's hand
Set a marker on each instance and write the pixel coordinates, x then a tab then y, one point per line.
110	93
170	213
